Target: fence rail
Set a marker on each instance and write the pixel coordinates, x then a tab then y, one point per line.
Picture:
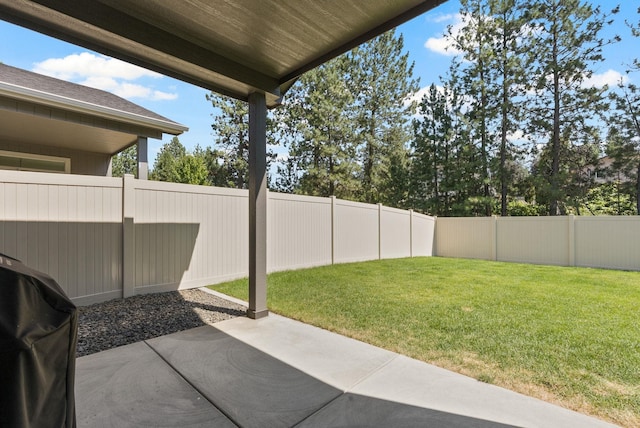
103	238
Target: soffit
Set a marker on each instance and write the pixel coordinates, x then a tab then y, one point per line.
234	47
26	128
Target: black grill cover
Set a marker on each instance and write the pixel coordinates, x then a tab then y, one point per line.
38	336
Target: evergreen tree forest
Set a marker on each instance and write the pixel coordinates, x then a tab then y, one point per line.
513	128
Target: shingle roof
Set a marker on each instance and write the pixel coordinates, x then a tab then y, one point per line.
84	94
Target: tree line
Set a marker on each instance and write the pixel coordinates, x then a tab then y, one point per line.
515	128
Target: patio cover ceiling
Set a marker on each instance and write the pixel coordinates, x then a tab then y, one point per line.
234	47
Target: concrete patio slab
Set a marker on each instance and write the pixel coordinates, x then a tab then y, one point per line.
368	371
352	410
251	387
311	349
132	386
423	385
276	372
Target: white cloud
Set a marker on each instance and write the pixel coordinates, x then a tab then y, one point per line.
108	84
443	17
443	44
86	64
417	96
163	96
102	72
127	90
283	157
516	135
609	77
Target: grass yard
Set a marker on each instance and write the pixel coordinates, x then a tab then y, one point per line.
567	335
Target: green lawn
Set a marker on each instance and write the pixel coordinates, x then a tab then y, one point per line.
566	335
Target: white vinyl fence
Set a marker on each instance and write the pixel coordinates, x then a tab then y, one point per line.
103	238
602	242
68	226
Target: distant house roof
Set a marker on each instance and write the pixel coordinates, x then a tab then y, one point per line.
21	81
42	110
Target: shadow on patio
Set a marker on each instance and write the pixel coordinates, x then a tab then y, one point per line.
204	377
277	372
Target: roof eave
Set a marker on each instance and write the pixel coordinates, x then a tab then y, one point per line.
39	97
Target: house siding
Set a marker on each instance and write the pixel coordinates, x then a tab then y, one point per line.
85	163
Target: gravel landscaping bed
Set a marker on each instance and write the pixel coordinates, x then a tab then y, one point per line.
118	322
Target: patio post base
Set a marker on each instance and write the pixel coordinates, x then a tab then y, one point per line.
257	315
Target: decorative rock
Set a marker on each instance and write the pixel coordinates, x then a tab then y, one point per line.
119	322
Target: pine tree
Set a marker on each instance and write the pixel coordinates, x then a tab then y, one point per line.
491	77
125	162
287	179
442	178
510	30
565	46
165	168
228	161
623	142
231	135
381	79
635	32
317	124
475	41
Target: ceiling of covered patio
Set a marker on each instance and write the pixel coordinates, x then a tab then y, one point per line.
234	47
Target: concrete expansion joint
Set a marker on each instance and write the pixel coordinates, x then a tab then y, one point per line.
348	390
371	373
200	393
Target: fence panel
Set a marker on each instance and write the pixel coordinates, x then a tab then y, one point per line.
69	227
103	238
537	240
465	237
188	236
299	232
395	233
601	242
422	235
356	232
608	242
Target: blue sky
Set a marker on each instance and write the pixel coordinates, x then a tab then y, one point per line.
186	103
